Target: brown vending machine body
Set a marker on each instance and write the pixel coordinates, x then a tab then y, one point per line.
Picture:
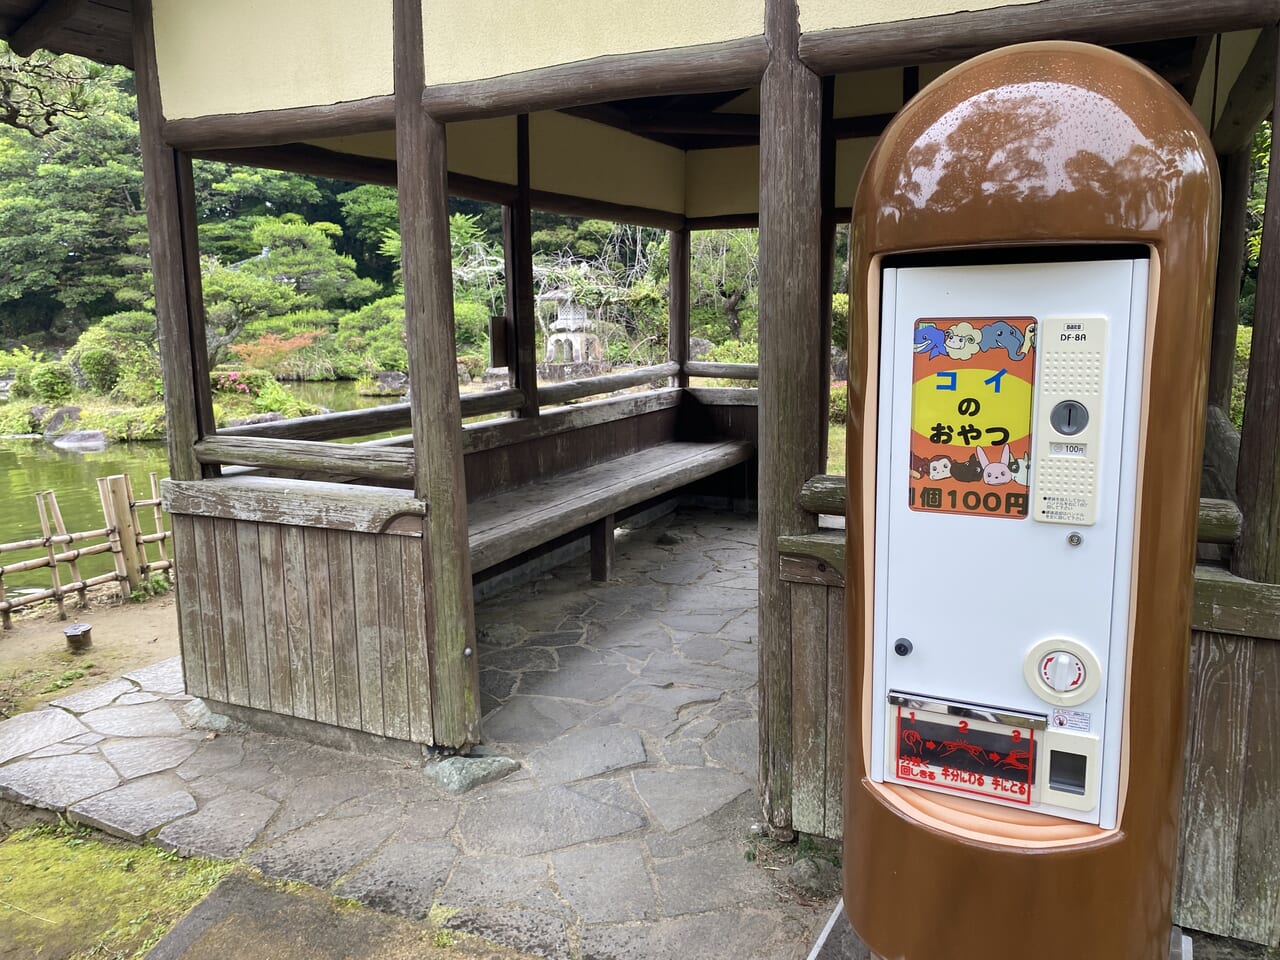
1025	159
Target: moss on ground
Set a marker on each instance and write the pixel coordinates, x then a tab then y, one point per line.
67	893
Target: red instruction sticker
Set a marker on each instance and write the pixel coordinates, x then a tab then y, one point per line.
960	756
971	402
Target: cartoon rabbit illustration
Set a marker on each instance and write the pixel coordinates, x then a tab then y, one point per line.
996	473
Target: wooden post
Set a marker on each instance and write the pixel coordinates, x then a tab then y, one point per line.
602	549
53	556
1257	557
113	536
175	263
55	514
1236	170
517	244
678	270
791	367
122	515
161	533
422	177
828	255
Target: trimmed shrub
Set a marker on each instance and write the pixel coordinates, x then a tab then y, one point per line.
838	409
53	382
100	369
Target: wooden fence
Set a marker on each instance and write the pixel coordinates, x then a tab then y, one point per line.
121	535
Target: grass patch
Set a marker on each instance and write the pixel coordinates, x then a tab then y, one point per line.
836	448
69	894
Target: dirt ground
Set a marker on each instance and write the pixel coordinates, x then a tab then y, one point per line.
36	666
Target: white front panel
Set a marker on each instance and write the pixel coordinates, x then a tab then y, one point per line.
1013	614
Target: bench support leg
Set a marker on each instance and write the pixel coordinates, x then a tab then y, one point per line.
602	549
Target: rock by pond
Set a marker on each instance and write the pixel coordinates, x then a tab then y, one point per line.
386	383
61	421
81	441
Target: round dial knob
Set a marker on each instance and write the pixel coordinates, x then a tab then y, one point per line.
1063	672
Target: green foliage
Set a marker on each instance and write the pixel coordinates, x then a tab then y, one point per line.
88	896
734	351
300	256
256	391
16	418
143	422
100	369
130	338
724	274
375	333
471	325
53	382
68	206
840	321
1240	381
475	363
20	362
838	409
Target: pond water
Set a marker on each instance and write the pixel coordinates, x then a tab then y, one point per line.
30	466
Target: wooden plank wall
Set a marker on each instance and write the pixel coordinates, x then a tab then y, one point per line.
319	624
1228	874
1229	879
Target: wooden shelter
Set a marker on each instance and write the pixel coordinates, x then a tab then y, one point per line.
668	114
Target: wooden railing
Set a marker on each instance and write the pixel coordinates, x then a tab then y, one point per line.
122	537
1222	602
723	371
302	445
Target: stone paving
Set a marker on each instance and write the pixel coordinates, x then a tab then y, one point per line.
624	833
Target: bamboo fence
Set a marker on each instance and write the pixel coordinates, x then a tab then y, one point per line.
136	555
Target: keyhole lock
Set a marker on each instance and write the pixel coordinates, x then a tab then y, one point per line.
902	646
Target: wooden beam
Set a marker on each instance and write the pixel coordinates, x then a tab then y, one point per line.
1251	98
679	263
48	18
827	254
602	548
958	36
1237	171
188	221
606	383
309	456
910	83
728	221
1257	556
856	128
604	210
182	343
503	433
299	503
422	159
521	304
310	160
696	69
791	366
702	124
723	371
269	128
321	162
1195	69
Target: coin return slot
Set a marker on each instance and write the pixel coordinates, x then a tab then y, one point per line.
1067	772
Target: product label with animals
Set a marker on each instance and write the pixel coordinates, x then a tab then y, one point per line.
971	402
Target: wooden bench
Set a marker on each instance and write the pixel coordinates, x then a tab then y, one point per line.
511	523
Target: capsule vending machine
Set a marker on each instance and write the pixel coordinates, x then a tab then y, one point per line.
1034	243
